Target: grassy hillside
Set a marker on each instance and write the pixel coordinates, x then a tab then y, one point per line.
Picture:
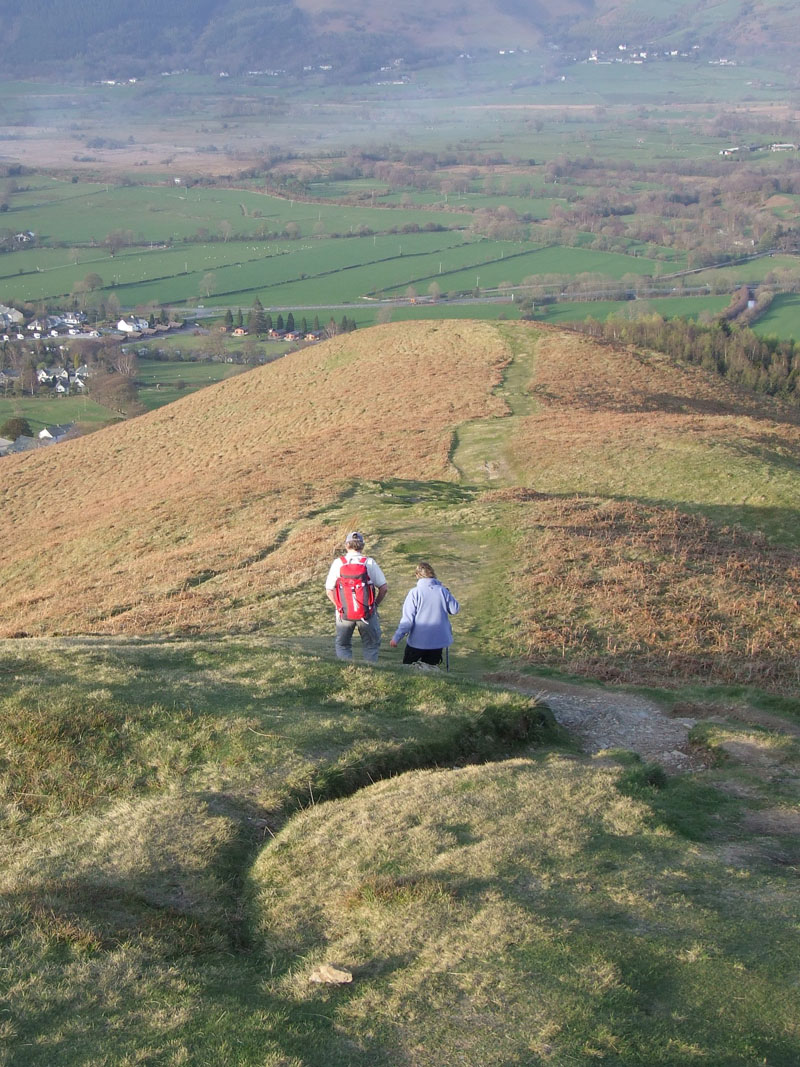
173	871
529	912
195	817
200	514
138	781
634	519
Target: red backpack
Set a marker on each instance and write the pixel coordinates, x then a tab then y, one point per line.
354	592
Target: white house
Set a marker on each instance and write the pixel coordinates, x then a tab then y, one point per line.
55	433
8	315
132	325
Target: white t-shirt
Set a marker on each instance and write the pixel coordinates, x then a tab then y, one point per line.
376	575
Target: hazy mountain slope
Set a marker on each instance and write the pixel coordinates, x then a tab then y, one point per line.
238	35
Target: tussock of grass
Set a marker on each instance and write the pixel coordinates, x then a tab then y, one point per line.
524	912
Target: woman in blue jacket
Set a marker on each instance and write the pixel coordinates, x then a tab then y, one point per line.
426	619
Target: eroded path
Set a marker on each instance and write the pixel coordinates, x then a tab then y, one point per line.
604	719
482	453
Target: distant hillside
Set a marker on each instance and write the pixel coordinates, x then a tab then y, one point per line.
133	38
595	507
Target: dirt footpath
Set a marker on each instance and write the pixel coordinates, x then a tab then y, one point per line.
602	719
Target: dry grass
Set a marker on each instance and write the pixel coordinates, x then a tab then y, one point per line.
617	421
668	586
194	514
625	592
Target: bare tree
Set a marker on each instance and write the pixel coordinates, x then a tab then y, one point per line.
125	363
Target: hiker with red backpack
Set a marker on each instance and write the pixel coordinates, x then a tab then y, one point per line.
355	586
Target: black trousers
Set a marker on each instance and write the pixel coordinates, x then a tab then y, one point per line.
433	656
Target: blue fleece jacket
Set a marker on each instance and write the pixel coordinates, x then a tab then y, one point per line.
426	612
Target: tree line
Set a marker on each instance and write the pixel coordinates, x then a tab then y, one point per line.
765	364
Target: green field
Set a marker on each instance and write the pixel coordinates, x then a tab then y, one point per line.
160	382
167	244
308	272
56	410
48	410
782	319
83	213
690	307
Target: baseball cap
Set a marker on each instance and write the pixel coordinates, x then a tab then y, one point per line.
354	536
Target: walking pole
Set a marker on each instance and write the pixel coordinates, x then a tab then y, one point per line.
447	659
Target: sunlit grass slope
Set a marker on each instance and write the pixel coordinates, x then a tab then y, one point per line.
192	823
532	912
196	513
621	422
660	535
172	872
138	780
597	509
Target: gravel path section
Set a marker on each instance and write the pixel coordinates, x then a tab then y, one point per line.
605	719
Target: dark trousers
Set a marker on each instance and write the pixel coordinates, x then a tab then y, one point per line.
433	656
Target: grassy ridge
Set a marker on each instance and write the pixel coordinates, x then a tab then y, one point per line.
162	896
170	870
538	911
134	798
668	482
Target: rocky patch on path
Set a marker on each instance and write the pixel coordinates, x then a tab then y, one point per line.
604	719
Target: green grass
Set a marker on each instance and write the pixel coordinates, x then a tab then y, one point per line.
510	263
170	863
535	911
161	382
782	319
690	307
49	410
46	410
160	212
135	797
448	310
